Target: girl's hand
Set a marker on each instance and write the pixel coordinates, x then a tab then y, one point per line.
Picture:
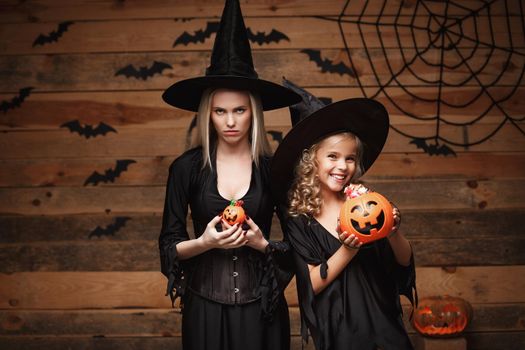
350	241
230	237
397	220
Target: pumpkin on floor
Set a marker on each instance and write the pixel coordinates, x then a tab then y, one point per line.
441	316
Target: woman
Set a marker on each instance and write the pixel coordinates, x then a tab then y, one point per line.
228	276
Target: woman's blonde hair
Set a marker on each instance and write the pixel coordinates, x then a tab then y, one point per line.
304	195
207	136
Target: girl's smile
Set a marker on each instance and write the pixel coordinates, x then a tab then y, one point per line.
336	160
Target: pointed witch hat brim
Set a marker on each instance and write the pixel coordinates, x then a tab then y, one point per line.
365	118
231	68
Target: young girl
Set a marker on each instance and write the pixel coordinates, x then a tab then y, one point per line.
228	276
348	292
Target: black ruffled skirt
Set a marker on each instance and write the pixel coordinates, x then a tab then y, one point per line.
207	325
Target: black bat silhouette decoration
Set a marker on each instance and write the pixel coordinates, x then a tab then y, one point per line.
17	100
54	35
87	130
143	72
276	135
263	38
111	229
434	149
199	36
110	174
327	65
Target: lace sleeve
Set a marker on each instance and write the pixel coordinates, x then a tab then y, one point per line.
277	273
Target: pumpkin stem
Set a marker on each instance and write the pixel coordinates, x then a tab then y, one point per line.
236	203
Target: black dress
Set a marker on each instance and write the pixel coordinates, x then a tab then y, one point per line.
232	298
360	309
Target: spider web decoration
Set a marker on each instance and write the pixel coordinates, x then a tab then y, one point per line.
451	48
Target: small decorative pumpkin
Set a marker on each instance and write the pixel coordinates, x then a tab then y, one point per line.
366	214
234	213
441	316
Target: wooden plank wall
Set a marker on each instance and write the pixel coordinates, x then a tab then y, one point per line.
65	285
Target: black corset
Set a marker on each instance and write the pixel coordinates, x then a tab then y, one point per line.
227	276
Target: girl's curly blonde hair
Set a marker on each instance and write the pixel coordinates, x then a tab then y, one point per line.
304	195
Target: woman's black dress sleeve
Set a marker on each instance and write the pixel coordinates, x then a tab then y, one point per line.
173	229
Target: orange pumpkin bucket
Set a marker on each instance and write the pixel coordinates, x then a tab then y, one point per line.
368	215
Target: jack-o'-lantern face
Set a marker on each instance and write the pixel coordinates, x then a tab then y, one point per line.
441	316
234	213
368	216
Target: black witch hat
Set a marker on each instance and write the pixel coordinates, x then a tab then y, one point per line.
312	120
231	67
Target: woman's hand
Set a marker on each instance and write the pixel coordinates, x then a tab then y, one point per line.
229	237
255	236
